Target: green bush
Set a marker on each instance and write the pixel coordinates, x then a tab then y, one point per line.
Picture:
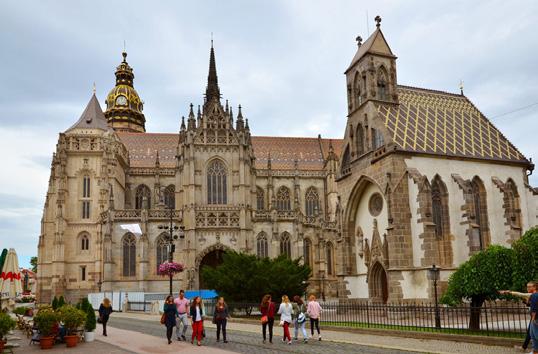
45	319
6	324
20	310
54	303
85	306
72	318
61	301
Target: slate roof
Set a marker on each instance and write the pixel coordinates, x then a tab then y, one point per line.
92	117
447	124
309	152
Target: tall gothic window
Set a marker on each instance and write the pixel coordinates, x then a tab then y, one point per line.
285	244
85	209
345	162
260	199
312	202
357	90
481	213
129	255
377	139
283	202
86	187
84	242
307	248
142	197
330	258
511	202
440	207
216	183
170	197
162	250
360	140
261	245
382	84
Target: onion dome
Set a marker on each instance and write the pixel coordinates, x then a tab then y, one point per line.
123	105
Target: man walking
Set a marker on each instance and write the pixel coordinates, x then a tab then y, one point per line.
531	289
182	305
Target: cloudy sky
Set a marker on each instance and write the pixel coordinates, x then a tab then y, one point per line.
282	60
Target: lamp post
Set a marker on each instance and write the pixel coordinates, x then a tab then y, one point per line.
433	274
170	238
323	286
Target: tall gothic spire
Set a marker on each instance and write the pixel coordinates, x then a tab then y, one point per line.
212	91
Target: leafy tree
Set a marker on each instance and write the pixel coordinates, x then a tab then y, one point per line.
3	258
33	263
246	278
479	279
525	259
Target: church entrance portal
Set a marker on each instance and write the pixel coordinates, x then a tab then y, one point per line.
213	259
378	284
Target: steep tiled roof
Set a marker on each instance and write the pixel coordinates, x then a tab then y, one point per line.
442	123
143	148
375	44
309	152
92	117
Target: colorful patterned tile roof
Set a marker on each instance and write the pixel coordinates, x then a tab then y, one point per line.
309	152
442	123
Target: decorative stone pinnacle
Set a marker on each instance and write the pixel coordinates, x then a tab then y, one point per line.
377	19
359	40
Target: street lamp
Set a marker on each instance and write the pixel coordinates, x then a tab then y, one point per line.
170	238
433	274
323	286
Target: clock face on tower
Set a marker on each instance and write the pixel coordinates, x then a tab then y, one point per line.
121	101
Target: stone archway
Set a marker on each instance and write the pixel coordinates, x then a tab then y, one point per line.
212	257
378	284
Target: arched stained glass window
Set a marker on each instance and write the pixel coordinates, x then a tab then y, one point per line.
161	246
285	244
261	245
170	197
129	255
283	202
142	197
217	183
260	199
312	202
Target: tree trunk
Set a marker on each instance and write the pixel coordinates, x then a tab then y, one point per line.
476	309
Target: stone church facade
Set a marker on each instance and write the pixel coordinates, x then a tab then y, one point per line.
420	178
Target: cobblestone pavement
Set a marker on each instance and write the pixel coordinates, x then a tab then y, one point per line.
247	342
245	337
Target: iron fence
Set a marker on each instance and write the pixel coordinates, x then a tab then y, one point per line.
501	319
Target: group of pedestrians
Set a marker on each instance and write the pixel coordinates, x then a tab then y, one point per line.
296	312
177	312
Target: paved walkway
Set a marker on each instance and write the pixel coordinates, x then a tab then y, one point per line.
377	341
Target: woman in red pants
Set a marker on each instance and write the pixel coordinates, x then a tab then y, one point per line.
197	316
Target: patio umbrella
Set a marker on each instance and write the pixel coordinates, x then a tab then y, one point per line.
10	278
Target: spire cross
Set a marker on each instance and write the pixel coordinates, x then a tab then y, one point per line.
377	19
461	86
359	40
93	88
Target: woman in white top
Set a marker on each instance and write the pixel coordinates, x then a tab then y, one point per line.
285	310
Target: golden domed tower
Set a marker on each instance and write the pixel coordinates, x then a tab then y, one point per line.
123	105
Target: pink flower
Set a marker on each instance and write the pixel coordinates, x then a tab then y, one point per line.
168	268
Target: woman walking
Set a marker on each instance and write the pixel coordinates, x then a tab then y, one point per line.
299	315
197	315
169	314
314	311
220	318
105	309
285	311
267	308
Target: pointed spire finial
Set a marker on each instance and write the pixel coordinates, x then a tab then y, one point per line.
377	20
359	40
182	123
93	90
212	90
461	87
157	161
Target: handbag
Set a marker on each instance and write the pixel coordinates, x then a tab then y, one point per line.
264	319
99	320
163	318
301	318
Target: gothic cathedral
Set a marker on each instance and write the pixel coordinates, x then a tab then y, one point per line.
421	177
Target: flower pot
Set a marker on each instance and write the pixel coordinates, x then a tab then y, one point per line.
89	336
71	341
46	342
